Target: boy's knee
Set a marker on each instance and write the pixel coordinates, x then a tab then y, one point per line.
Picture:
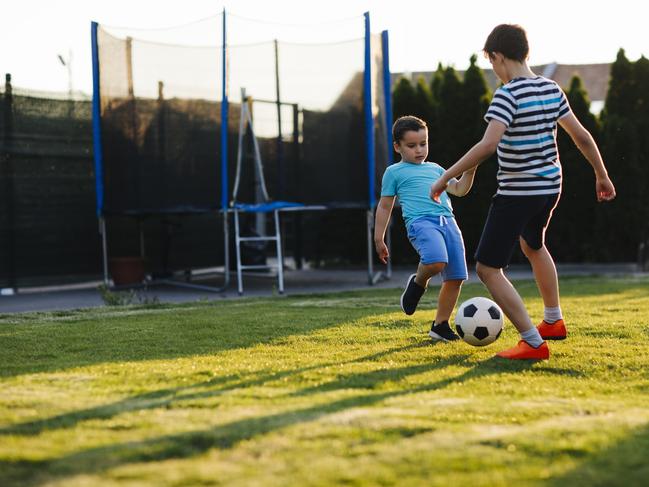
434	268
454	283
527	249
484	271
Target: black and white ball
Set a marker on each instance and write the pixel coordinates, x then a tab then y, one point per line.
479	321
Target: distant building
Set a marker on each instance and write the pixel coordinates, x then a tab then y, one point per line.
595	78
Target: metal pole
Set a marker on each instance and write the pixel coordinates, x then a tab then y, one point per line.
226	251
7	168
280	256
224	153
279	193
104	248
98	153
368	112
136	167
242	126
141	234
237	245
295	177
369	142
370	255
387	94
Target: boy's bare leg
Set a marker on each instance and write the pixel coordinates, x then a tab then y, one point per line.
416	286
447	300
426	271
506	296
545	273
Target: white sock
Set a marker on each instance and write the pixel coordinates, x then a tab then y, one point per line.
550	315
533	337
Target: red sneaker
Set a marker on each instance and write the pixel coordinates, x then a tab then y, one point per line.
552	331
524	351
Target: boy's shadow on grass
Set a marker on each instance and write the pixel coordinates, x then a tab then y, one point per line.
185	445
163	398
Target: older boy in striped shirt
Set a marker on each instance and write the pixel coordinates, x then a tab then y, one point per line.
522	124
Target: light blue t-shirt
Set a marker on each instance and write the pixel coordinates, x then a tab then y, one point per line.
411	183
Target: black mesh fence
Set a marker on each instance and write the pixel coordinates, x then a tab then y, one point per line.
48	222
48	227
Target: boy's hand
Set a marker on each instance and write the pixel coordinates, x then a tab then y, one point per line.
382	251
604	189
437	189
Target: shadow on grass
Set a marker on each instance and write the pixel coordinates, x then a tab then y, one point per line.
84	339
165	397
624	464
185	445
47	342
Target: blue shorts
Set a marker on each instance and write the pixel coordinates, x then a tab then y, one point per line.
438	239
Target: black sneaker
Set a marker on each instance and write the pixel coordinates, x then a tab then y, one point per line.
442	332
411	295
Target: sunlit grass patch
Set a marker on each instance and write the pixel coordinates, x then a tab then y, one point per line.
321	390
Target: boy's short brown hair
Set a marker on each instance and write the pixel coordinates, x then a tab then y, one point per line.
404	124
510	40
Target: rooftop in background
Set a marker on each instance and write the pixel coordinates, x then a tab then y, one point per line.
594	76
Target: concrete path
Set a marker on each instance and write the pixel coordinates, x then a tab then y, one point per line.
86	295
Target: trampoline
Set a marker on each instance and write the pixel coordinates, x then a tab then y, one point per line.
164	123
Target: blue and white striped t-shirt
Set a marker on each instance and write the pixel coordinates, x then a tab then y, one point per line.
528	159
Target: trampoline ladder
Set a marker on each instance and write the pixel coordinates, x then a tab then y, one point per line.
262	238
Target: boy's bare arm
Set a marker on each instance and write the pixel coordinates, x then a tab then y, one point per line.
381	220
604	188
460	187
478	153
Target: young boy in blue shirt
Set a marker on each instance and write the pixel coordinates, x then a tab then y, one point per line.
431	226
522	123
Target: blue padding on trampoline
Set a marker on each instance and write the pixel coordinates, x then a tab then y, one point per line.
266	207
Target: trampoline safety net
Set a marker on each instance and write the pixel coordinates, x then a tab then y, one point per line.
309	119
160	124
161	105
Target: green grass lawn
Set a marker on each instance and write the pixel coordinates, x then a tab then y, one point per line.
322	390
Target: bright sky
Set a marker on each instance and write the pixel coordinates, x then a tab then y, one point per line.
422	32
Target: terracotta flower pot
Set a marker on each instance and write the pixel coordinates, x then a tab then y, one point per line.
126	270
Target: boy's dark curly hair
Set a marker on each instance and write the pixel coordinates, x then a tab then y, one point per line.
404	124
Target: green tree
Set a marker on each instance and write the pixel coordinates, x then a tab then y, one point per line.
417	100
404	98
436	83
620	224
471	209
450	118
574	222
476	99
424	102
641	124
620	97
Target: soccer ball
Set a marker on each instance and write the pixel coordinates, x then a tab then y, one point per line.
479	321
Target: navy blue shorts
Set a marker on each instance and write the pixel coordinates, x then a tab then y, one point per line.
438	239
509	218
